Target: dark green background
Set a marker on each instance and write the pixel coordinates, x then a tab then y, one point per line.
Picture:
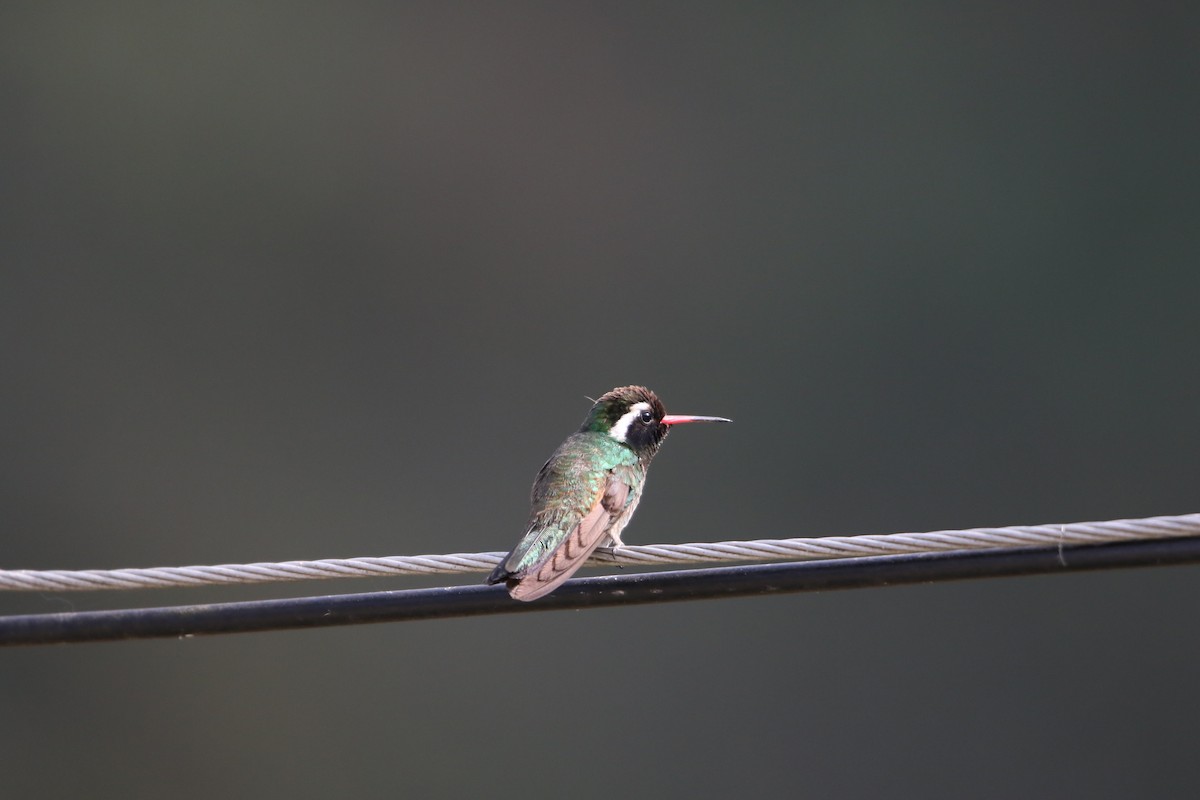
286	281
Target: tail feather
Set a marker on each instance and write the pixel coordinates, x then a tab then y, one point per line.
500	574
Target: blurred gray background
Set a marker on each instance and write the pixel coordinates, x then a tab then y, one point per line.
302	280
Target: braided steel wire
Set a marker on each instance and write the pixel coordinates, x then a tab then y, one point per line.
829	547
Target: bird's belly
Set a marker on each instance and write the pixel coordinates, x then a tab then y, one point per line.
612	536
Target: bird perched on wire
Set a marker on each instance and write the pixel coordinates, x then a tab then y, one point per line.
585	495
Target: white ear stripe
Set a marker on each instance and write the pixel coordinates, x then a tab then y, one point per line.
621	429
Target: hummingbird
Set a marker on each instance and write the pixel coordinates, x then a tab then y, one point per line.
585	495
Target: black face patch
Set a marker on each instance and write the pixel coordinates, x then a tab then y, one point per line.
646	435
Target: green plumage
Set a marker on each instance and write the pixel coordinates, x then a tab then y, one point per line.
586	493
566	489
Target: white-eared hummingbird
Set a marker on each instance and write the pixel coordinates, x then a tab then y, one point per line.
586	493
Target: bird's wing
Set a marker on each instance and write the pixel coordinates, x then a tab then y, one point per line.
561	563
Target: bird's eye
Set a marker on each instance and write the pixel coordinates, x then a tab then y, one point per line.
646	417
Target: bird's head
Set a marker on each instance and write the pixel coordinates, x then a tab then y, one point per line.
635	417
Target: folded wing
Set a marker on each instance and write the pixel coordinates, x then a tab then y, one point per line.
561	563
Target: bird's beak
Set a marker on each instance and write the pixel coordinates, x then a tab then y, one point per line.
676	419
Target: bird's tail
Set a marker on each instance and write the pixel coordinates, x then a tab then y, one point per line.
500	574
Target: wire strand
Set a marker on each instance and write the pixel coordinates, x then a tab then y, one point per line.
638	555
829	547
607	590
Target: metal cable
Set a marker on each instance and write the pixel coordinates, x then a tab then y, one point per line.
746	580
830	547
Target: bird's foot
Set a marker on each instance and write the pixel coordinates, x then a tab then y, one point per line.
611	552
